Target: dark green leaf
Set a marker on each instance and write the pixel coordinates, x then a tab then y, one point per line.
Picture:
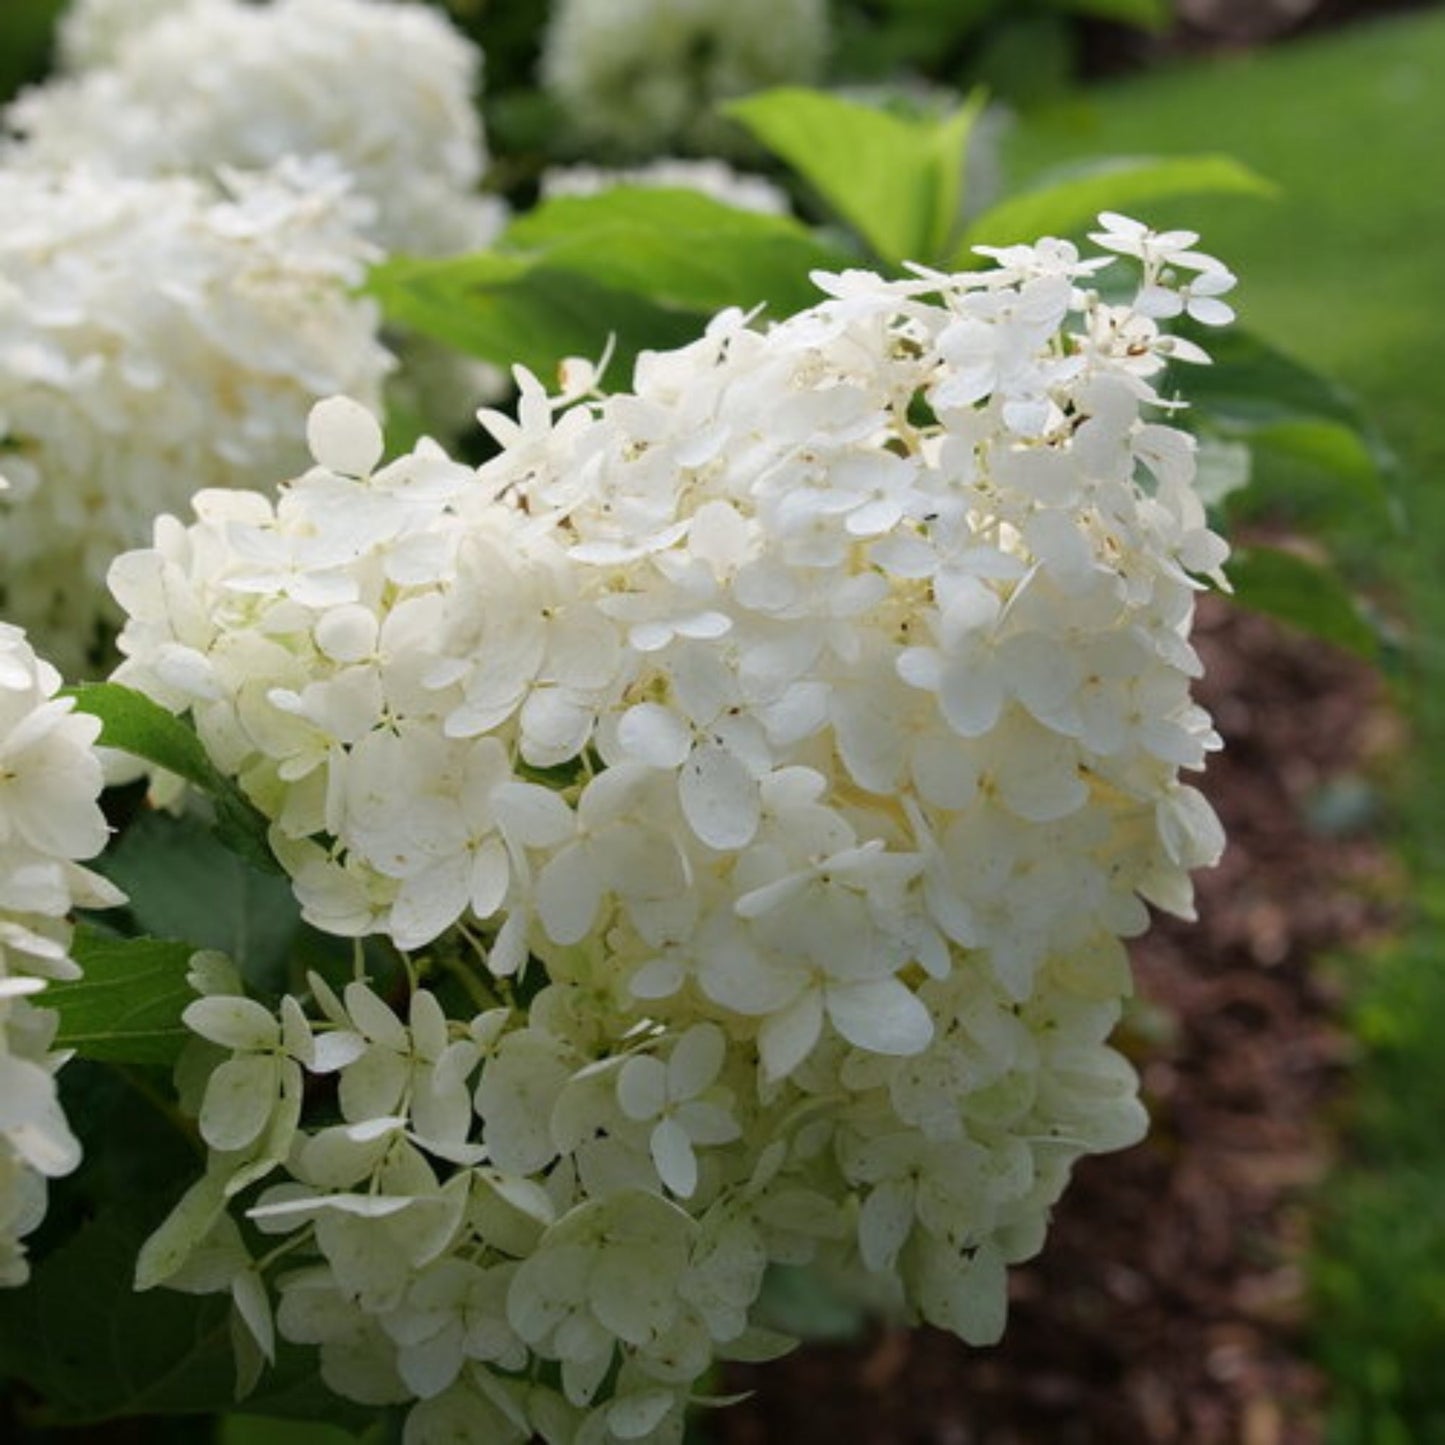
1145	14
183	884
136	724
1318	462
26	31
258	1430
127	1008
1070	203
1330	446
1304	594
896	181
1253	385
93	1349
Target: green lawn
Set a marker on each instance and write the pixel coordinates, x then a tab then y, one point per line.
1343	267
1345	270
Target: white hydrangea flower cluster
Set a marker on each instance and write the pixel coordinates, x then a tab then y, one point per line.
712	178
761	769
153	338
382	91
92	33
640	75
49	781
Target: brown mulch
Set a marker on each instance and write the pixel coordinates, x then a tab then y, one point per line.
1168	1304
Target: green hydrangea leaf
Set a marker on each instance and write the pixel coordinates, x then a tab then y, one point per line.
642	267
1318	462
136	724
1070	202
183	883
1303	593
93	1349
679	248
127	1008
897	181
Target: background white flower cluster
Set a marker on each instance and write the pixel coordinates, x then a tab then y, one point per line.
643	75
385	92
763	767
92	33
50	779
154	338
191	208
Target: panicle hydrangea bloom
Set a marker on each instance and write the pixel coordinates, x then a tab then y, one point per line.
780	753
382	91
638	75
711	177
49	781
153	336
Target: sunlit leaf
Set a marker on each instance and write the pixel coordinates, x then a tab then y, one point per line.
645	268
1069	203
894	180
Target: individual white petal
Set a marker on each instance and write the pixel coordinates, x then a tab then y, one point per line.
695	1061
429	902
373	1017
642	1087
881	1015
253	1306
673	1156
884	1223
569	893
719	797
531	815
659	978
636	1417
981	1302
1211	311
787	1038
347	634
233	1023
632	1291
372	1087
344	437
240	1097
491	875
654	735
